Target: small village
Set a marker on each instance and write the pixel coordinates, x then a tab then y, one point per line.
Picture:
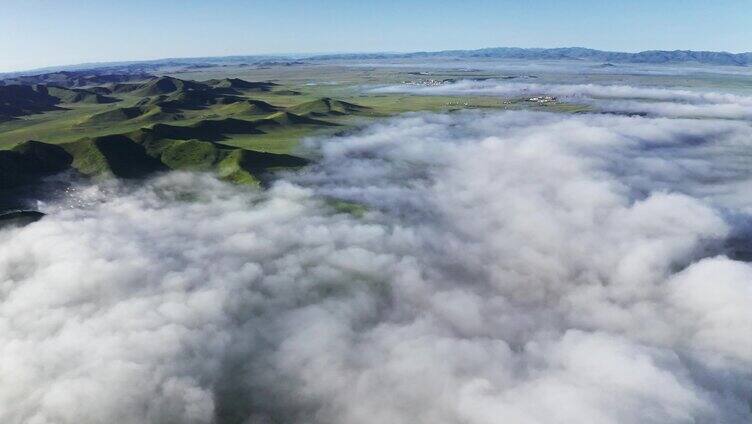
541	99
427	83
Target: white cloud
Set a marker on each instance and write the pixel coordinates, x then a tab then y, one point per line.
674	103
522	267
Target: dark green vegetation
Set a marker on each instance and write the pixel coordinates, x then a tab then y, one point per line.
21	100
327	107
237	85
237	124
70	79
341	206
136	155
129	125
19	218
31	160
77	95
158	124
98	123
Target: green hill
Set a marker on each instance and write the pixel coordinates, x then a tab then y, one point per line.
287	92
248	108
236	85
139	138
100	90
206	130
124	87
157	86
193	99
140	153
70	79
254	161
288	119
173	93
190	155
144	114
247	166
75	95
19	218
30	160
217	129
166	85
112	155
20	100
115	115
327	107
230	163
146	151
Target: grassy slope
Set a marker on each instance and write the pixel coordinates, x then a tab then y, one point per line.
343	84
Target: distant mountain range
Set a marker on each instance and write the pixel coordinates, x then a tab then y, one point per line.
565	53
154	66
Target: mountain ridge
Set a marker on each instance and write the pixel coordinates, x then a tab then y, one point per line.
655	56
563	53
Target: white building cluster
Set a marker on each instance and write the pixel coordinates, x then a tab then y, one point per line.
542	99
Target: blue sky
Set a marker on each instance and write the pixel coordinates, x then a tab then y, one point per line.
35	33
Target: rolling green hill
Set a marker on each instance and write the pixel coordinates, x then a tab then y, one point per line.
115	115
112	155
192	100
71	79
166	85
236	85
235	128
136	155
30	160
75	95
250	107
288	120
20	100
327	107
177	94
133	114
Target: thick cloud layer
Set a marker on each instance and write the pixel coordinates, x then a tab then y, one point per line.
674	103
511	267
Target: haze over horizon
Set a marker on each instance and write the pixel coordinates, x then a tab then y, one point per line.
45	33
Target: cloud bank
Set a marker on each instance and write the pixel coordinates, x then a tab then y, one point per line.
511	267
627	99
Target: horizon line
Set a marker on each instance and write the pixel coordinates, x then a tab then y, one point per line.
312	55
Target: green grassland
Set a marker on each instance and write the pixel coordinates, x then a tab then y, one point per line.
332	95
238	123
